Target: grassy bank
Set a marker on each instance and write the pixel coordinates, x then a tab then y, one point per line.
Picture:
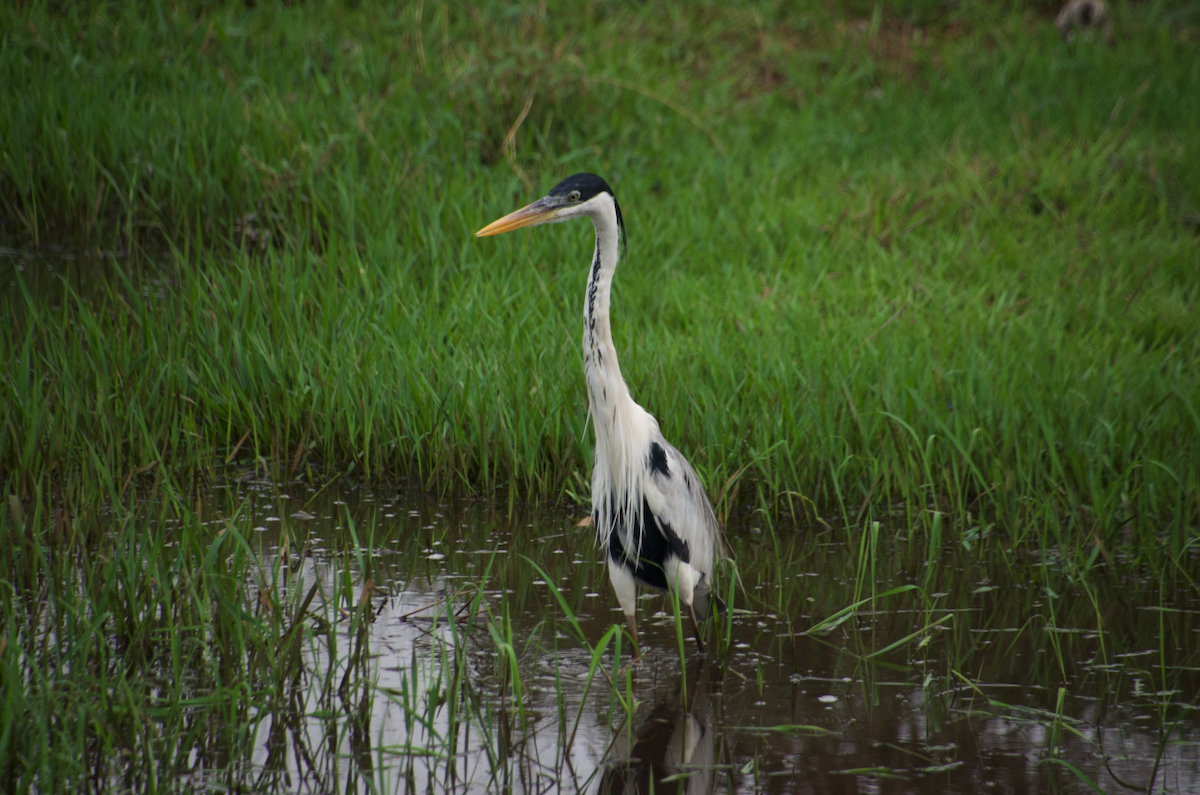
875	255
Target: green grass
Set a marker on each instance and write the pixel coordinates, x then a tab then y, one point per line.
953	262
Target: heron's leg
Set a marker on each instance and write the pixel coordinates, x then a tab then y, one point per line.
696	626
682	579
626	589
631	620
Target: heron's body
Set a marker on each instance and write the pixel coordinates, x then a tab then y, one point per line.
649	508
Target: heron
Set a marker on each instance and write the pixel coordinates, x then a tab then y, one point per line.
650	511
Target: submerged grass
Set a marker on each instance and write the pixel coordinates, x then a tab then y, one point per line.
176	645
137	654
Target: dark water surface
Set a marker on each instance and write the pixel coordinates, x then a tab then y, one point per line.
1008	678
75	264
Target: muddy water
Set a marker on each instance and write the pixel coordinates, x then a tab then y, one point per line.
1009	678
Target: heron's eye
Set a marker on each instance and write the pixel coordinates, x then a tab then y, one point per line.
573	196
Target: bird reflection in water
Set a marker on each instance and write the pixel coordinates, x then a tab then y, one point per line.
672	749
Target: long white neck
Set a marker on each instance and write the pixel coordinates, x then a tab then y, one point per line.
606	387
622	427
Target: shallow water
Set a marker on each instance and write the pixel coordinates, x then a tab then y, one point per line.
73	266
1004	684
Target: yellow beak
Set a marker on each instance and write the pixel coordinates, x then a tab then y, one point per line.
539	212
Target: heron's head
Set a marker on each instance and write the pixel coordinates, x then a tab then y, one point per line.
579	194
